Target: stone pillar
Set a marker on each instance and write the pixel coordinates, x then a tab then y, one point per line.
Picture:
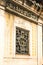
39	43
8	35
34	39
11	35
2	33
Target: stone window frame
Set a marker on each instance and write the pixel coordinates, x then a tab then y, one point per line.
20	56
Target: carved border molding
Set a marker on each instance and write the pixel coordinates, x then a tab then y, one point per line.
21	10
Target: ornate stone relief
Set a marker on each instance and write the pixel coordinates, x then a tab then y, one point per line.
22	41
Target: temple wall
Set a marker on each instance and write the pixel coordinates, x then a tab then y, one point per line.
8	24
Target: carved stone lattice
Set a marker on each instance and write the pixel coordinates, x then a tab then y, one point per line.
22	41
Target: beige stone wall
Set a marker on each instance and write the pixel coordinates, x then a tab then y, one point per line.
10	41
10	34
8	23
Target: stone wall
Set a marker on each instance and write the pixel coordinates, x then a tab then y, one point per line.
8	24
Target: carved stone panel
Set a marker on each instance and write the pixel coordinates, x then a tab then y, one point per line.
22	41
